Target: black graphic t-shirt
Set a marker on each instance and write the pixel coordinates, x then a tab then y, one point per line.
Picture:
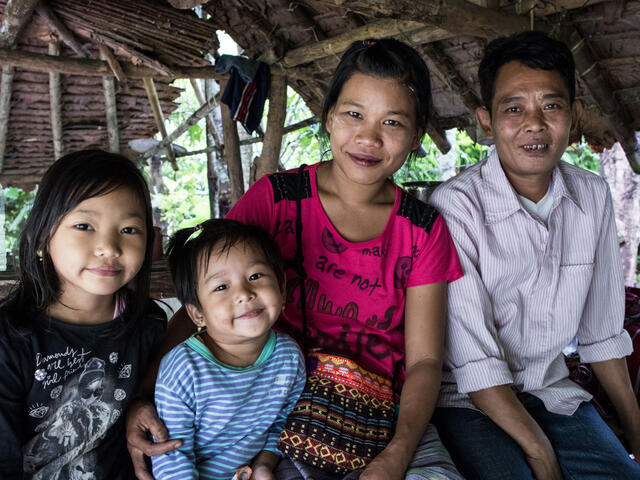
64	389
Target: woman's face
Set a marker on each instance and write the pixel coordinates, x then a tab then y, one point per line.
372	128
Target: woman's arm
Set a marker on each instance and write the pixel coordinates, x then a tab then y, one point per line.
424	337
142	418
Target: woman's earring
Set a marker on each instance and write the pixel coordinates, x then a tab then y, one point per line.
40	254
201	328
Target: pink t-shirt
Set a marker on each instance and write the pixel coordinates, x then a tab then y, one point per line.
355	291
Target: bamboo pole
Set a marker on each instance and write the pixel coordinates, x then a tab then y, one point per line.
267	162
55	100
232	151
152	95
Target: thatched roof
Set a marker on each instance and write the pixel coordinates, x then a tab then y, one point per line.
303	41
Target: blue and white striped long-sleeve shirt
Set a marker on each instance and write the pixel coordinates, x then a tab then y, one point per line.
224	415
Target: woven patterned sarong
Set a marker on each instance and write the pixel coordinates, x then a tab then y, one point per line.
343	419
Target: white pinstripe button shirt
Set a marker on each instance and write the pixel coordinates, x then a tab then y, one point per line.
527	289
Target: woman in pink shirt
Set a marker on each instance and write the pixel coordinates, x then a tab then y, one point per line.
377	260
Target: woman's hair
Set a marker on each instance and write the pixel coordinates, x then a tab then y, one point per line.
190	249
534	50
382	58
71	180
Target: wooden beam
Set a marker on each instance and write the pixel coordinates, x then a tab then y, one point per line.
523	7
152	95
55	102
232	151
15	16
6	89
337	45
437	134
599	86
57	26
451	76
267	162
460	17
107	55
99	68
194	118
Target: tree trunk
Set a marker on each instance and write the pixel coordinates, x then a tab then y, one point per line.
625	190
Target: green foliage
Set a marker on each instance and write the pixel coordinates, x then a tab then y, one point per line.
582	156
428	168
186	198
17	205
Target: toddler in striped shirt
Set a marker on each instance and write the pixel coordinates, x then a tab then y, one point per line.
227	390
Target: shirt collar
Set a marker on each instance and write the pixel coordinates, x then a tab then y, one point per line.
500	200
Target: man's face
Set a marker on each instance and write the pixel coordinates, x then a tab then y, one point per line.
530	122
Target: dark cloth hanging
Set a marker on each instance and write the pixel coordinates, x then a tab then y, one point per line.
247	89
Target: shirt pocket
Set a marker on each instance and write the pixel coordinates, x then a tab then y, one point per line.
573	289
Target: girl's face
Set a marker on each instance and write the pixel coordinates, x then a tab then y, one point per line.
239	295
372	128
99	246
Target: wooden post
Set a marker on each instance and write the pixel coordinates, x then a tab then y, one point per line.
15	16
5	107
267	162
111	112
437	134
152	95
55	102
111	108
232	151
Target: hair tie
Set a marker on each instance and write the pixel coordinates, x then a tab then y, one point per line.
197	230
368	43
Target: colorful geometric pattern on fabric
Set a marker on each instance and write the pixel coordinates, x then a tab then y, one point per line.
343	419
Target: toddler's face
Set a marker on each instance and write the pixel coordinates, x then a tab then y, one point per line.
239	295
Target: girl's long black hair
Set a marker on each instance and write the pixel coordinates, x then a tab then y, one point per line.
71	180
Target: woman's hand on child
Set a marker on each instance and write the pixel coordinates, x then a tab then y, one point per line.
142	419
262	472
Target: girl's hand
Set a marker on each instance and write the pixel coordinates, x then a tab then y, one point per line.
142	419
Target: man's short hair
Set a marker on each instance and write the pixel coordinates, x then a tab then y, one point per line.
532	49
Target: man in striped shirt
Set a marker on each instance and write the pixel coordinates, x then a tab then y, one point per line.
537	241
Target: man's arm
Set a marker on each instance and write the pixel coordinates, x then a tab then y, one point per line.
502	406
614	378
